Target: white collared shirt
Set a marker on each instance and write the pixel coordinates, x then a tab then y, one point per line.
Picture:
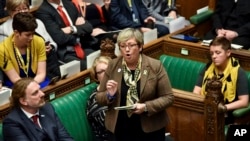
29	115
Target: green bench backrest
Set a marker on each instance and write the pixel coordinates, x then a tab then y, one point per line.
1	132
71	110
183	73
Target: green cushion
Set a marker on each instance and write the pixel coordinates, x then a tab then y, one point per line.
1	132
199	18
183	73
71	110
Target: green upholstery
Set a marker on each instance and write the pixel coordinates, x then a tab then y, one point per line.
199	18
183	73
1	131
71	109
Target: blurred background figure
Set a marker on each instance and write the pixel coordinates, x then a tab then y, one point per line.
231	20
133	14
96	112
23	53
16	6
162	10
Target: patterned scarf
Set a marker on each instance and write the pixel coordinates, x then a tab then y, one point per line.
132	94
228	79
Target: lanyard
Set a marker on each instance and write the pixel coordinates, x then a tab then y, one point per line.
130	3
20	60
169	3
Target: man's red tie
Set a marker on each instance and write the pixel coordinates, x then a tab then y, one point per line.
78	49
35	120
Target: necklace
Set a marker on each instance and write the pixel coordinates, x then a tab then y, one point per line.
20	59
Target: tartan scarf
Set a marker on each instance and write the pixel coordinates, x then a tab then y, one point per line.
132	94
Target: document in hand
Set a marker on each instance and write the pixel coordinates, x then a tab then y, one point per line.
125	107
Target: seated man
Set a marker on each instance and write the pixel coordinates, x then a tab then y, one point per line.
231	21
17	6
227	69
31	119
23	53
67	28
134	14
97	16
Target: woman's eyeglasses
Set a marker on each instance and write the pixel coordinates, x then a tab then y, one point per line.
123	46
21	10
100	72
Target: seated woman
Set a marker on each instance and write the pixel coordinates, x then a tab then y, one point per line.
227	69
23	53
16	6
95	112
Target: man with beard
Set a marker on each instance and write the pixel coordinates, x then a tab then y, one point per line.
27	102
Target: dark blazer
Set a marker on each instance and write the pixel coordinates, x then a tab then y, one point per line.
53	23
18	127
155	91
241	20
121	15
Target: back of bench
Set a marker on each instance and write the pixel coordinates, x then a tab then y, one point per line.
71	110
183	73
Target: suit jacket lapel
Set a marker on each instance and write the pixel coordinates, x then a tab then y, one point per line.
46	124
29	124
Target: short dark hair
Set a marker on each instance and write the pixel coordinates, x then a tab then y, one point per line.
23	22
224	42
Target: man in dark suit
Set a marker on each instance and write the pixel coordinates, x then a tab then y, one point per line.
231	20
27	100
134	14
66	35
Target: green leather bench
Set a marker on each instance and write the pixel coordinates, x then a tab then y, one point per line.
199	18
183	74
71	110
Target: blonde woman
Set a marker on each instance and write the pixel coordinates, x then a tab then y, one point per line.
95	112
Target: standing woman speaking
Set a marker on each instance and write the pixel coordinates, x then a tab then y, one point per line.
135	80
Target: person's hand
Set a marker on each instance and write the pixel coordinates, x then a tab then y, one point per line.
145	29
221	33
230	35
139	108
80	21
111	87
48	48
222	108
97	31
106	4
67	30
149	18
172	14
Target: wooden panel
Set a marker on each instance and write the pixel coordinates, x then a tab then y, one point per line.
187	8
187	117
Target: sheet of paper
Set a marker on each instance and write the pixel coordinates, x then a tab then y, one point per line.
125	107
